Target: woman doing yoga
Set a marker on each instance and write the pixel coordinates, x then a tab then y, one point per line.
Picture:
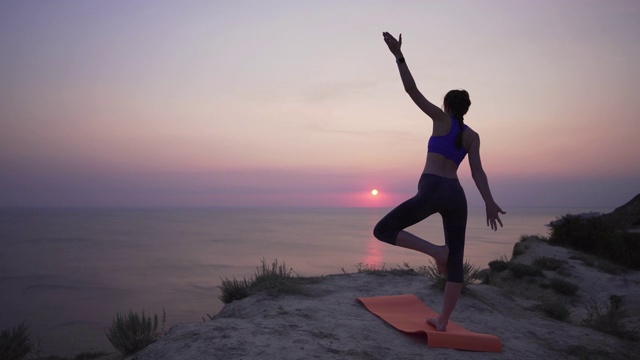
439	190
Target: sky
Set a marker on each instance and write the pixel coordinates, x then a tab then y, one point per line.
299	103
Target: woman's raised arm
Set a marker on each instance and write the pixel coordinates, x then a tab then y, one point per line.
433	111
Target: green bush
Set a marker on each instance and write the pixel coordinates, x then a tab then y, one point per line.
132	333
597	236
563	287
275	279
15	343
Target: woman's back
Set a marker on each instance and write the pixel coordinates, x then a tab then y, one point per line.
441	161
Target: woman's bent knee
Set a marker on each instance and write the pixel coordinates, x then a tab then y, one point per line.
382	233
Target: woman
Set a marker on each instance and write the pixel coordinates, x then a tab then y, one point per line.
439	190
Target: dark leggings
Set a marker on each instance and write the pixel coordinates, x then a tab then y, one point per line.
436	194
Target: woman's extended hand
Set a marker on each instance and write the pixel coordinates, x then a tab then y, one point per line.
493	211
393	44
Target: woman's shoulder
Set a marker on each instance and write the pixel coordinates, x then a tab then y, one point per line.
469	132
469	136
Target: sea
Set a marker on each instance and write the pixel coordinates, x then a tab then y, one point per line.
66	272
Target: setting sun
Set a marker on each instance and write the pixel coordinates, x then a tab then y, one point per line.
374	192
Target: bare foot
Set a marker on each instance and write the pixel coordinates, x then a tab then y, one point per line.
435	322
441	259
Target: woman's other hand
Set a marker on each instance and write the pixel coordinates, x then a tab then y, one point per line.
493	216
393	44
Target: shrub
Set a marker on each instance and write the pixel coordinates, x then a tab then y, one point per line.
521	270
578	232
596	236
470	274
15	343
133	332
563	287
555	310
599	263
607	318
584	352
234	290
275	279
548	263
518	270
519	248
498	265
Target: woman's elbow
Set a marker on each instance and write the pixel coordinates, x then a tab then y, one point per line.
477	173
411	89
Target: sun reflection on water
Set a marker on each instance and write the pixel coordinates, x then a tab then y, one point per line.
373	254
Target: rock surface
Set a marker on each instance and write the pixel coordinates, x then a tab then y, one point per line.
327	322
627	215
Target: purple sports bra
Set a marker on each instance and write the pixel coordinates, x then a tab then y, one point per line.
445	145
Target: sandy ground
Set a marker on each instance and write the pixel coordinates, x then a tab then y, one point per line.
326	322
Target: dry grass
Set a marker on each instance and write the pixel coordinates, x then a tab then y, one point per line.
15	343
471	274
133	332
275	279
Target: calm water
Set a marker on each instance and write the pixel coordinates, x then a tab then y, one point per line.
67	272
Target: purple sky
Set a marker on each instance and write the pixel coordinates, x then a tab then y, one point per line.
299	103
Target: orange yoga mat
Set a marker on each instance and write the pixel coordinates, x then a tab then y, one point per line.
407	313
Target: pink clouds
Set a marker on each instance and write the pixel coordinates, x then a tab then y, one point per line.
155	104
